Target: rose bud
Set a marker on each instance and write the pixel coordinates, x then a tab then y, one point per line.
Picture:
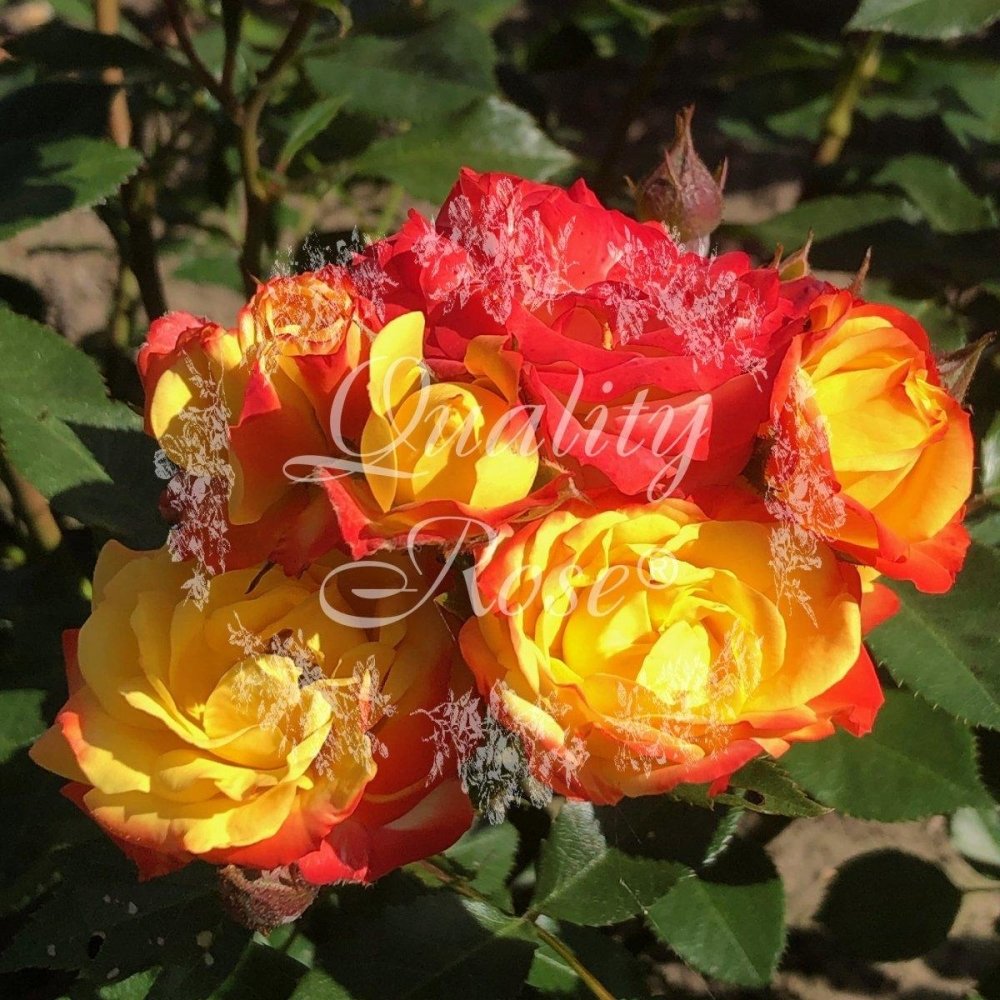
682	192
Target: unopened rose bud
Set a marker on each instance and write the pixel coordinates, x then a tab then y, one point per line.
263	900
682	192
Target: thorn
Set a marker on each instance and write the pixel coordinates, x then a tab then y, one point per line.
859	279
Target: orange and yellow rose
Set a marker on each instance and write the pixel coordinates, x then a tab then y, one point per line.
231	407
635	647
258	730
859	406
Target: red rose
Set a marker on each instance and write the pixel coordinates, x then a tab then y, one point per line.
650	366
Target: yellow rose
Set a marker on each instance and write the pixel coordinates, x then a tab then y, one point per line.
252	730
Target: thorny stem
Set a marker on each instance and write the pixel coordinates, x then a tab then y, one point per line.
838	122
232	23
139	202
555	943
246	115
258	198
565	952
31	508
225	97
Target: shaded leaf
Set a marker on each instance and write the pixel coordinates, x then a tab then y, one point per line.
211	269
667	829
313	120
989	450
43	178
887	906
923	755
833	215
102	921
486	13
728	922
437	946
493	135
266	974
614	966
63	48
422	77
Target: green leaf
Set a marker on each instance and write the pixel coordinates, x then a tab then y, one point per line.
832	216
492	135
307	126
887	906
211	269
924	18
84	452
648	20
40	179
437	946
947	328
667	829
100	920
486	857
728	922
582	880
486	13
266	974
423	77
936	643
976	835
939	193
986	530
614	966
916	762
314	985
21	719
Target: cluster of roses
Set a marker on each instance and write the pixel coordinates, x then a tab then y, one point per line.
678	477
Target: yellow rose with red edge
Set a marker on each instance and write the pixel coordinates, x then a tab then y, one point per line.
438	456
635	647
859	408
257	730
